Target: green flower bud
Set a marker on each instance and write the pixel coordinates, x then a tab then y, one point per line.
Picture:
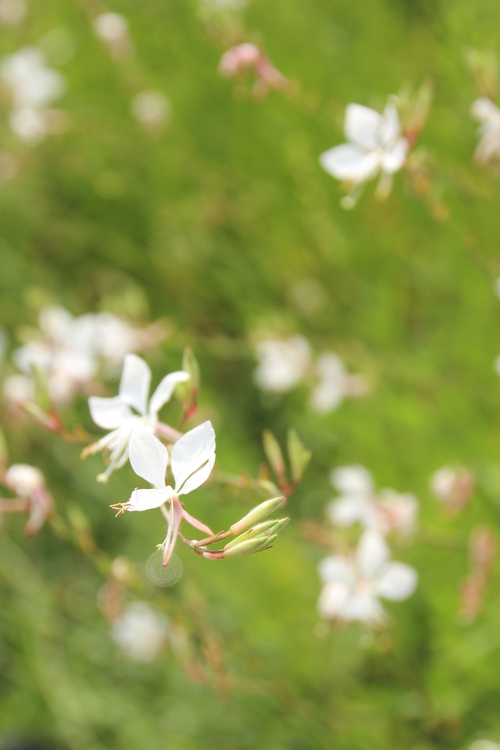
256	514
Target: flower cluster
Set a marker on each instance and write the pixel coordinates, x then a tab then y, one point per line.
284	363
354	582
33	88
69	353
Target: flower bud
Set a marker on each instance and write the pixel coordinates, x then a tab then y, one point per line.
256	514
299	456
250	546
274	454
266	527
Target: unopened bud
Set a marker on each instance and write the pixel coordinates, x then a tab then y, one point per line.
274	454
256	515
299	456
266	527
250	546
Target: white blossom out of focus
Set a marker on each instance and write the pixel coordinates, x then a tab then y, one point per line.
284	363
71	351
237	60
140	631
28	483
452	485
33	87
151	109
484	745
222	5
13	12
354	584
383	512
115	414
112	29
375	144
487	114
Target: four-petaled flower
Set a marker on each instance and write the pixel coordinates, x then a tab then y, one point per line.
116	413
192	460
353	585
375	144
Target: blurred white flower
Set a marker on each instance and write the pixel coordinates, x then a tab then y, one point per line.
223	4
487	113
28	484
388	511
18	389
70	351
33	87
112	29
282	364
116	415
354	584
334	383
140	631
237	60
151	109
452	486
192	460
12	12
496	286
375	144
484	745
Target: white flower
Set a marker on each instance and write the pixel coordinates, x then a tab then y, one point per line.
353	585
116	413
358	503
487	113
151	109
18	389
282	364
484	745
452	486
112	29
12	12
140	631
333	383
375	144
33	87
28	484
192	460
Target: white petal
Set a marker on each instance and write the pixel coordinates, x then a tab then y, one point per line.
336	569
135	382
109	413
398	581
332	599
349	162
363	608
372	553
347	510
148	457
362	125
394	158
390	129
148	499
164	391
353	479
193	457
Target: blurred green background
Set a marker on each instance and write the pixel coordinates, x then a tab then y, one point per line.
211	224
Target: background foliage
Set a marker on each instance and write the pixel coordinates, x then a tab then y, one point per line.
212	225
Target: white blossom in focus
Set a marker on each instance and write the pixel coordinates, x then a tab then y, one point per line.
140	631
192	460
375	145
354	585
282	363
487	113
115	414
383	512
12	12
33	87
151	109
